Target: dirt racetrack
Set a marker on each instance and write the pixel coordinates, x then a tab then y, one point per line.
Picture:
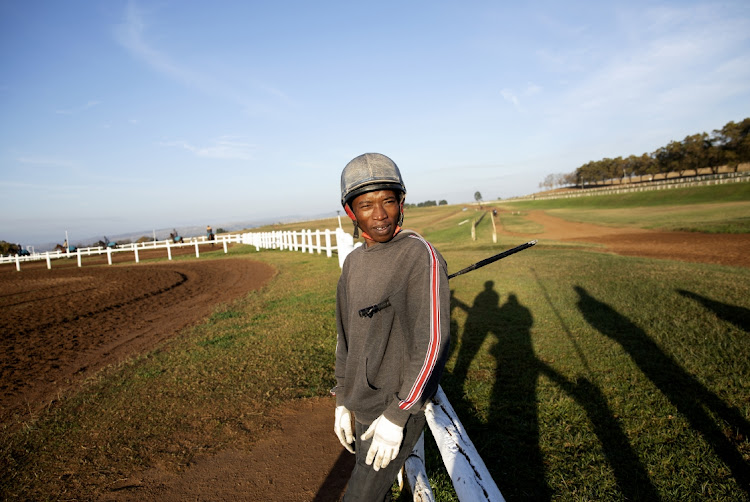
62	324
722	249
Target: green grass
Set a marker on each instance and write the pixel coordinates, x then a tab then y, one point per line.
579	375
710	209
732	192
728	218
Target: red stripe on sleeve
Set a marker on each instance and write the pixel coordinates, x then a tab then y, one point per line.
433	347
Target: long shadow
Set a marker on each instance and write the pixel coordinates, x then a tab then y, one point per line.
682	389
739	316
509	441
335	483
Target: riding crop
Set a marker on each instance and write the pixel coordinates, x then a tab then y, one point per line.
372	309
493	259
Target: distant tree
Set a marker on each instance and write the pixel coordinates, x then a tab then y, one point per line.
145	238
443	203
220	231
728	146
547	184
6	248
478	197
732	143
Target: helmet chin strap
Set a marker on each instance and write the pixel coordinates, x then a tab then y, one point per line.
364	234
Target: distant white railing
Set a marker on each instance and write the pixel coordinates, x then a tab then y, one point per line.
134	248
644	186
306	241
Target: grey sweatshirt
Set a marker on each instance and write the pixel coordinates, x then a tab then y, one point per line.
391	363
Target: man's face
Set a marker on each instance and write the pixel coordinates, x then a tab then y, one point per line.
377	215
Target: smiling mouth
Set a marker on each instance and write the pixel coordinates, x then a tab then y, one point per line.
381	228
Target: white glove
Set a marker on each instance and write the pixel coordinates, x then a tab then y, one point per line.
386	442
343	427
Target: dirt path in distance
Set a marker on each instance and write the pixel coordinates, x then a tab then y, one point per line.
722	249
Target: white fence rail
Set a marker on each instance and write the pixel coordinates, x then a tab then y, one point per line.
134	248
306	241
644	186
469	475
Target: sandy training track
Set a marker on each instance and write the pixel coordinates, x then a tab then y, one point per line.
61	325
722	249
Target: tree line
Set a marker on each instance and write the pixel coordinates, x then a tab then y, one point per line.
728	146
427	203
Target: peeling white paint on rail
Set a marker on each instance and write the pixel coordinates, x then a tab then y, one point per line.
470	477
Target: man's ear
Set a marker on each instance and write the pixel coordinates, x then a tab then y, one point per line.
350	212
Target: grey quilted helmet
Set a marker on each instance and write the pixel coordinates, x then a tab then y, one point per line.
367	173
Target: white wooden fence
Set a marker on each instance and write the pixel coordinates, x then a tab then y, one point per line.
306	241
645	186
134	248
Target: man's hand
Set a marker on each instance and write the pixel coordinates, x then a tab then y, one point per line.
343	427
386	442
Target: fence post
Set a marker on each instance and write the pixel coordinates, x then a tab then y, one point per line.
494	229
169	250
18	263
328	243
79	257
109	255
317	240
414	474
197	253
135	251
470	477
225	246
49	263
310	247
344	245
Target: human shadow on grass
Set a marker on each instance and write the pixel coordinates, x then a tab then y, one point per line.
739	316
509	439
691	398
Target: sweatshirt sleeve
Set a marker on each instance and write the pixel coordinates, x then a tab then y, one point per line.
342	346
428	318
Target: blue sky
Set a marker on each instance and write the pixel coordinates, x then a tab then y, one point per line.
120	116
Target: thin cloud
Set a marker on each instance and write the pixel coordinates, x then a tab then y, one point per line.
131	35
42	187
46	162
513	98
225	148
659	64
79	109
